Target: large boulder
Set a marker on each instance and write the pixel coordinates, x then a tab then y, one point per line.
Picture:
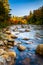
39	49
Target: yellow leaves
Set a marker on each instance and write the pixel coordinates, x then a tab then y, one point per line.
17	20
24	21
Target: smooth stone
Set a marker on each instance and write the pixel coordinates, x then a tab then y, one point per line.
1	51
29	42
10	40
39	49
9	43
1	43
15	44
12	54
25	38
7	57
2	61
5	42
21	48
8	32
27	30
9	46
14	37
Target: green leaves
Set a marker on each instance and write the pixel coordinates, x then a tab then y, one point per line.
37	16
4	13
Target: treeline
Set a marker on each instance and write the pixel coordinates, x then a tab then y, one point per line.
36	17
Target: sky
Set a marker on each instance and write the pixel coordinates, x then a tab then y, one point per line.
23	7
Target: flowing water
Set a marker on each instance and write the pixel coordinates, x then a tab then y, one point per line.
35	37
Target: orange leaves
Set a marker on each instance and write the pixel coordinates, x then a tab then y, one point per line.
17	20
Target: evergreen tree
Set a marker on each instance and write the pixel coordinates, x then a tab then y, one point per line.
4	13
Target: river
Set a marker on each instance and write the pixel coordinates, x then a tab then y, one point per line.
34	33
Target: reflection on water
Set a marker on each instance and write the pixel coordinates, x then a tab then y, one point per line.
35	35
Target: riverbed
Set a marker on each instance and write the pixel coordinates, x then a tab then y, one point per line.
34	35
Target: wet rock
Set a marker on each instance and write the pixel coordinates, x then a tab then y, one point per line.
1	51
8	32
12	54
21	30
27	30
9	46
10	40
14	37
1	43
2	61
4	29
21	48
11	36
7	57
9	43
4	36
29	42
15	44
39	49
22	26
5	42
25	38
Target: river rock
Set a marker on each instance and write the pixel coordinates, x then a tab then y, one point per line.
14	37
7	57
1	43
21	48
12	54
25	38
2	61
10	40
39	49
27	30
8	32
15	44
1	51
5	42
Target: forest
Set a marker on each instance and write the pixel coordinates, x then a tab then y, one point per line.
35	17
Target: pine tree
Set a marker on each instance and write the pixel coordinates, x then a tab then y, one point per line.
4	13
6	10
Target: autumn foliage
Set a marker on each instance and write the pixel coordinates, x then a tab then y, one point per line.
35	17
